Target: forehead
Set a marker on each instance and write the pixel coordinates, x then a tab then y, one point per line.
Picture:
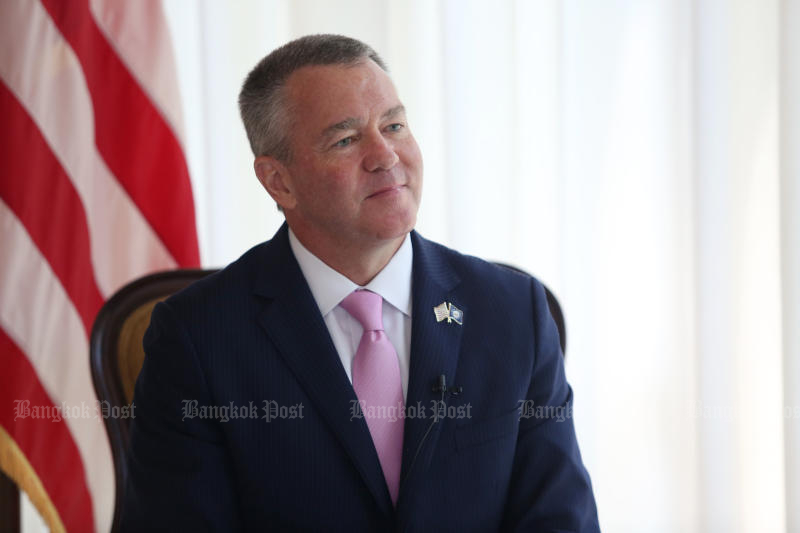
324	93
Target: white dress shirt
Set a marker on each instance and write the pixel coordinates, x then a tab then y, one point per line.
329	288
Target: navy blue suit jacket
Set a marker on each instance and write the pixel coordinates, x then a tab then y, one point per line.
244	416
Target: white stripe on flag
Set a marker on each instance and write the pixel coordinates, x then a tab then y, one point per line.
54	94
139	34
39	317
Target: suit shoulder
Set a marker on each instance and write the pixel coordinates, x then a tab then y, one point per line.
475	269
219	288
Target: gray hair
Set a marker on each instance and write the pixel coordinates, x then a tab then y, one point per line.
262	99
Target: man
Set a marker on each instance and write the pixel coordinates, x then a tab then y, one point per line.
376	378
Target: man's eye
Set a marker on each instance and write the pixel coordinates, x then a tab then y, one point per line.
395	127
344	142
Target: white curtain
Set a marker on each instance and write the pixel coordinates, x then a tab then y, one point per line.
789	113
641	157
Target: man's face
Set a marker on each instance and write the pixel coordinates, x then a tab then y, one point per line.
355	177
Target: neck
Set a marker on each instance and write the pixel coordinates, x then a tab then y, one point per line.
359	264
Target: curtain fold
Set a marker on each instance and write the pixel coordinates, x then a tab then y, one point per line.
790	249
738	265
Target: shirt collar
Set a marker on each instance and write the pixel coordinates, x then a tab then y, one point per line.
329	287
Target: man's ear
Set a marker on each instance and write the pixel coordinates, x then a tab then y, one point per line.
276	180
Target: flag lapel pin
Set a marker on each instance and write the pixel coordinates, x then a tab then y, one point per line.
449	312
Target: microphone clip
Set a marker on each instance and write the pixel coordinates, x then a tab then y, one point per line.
441	386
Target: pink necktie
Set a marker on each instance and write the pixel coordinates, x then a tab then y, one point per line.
376	380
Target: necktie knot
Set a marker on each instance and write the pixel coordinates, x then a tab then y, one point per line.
366	307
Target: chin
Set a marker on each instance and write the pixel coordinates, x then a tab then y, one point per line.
386	229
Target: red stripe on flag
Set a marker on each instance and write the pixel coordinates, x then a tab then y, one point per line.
41	195
47	445
132	136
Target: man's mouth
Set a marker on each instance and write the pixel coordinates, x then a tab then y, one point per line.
386	190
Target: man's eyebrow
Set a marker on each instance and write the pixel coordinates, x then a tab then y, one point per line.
347	124
352	123
393	112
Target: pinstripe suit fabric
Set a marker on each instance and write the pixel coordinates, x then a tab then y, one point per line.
251	337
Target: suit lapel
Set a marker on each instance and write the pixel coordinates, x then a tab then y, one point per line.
434	351
293	322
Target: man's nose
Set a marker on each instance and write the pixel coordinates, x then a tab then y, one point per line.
380	154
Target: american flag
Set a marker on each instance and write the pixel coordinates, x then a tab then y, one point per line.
94	192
